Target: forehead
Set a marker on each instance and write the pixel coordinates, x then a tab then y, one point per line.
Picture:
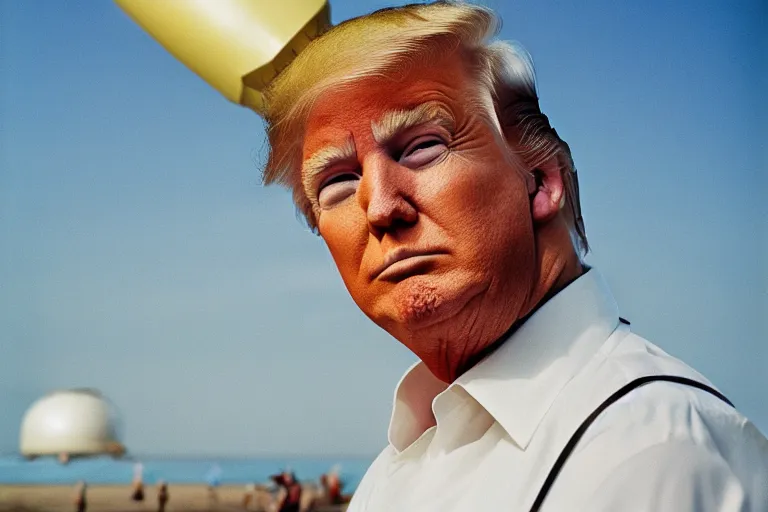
351	110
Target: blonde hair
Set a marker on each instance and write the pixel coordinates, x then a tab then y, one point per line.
389	43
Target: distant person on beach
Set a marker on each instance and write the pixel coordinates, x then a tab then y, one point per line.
332	486
81	500
138	482
162	496
249	495
213	478
289	494
417	148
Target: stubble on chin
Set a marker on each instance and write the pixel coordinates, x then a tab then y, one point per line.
419	302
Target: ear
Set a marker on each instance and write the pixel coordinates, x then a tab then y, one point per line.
547	191
544	183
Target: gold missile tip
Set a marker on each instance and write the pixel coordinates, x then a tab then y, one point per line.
237	46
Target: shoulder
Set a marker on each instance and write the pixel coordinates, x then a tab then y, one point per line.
666	440
662	412
679	475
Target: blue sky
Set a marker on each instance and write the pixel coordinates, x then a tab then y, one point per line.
140	255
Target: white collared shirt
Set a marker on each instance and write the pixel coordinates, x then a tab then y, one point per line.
488	441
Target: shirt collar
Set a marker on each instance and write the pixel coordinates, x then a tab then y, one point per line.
520	380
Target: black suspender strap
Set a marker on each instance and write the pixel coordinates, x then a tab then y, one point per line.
592	417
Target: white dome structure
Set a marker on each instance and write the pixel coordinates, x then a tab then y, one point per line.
70	423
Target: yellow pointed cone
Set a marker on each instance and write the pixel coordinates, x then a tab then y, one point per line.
237	46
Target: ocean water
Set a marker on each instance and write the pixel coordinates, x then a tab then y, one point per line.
104	470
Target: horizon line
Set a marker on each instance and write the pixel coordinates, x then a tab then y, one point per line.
187	456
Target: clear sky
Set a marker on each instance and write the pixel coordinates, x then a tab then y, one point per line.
140	255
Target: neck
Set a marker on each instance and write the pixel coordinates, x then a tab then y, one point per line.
566	276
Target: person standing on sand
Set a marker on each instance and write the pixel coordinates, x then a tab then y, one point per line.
162	496
332	485
289	496
249	495
81	502
213	478
138	482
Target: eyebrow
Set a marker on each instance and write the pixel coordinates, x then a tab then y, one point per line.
397	121
321	160
384	130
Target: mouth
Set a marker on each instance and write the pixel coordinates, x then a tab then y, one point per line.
402	263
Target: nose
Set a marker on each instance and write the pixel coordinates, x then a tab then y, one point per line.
384	195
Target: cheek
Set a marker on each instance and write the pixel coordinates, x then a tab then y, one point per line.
345	233
484	209
482	197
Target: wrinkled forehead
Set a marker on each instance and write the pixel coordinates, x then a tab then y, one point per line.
372	107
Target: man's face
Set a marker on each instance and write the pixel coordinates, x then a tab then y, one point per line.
425	214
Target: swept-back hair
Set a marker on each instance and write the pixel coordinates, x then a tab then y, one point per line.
389	43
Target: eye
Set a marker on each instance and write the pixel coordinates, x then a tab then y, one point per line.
337	188
422	151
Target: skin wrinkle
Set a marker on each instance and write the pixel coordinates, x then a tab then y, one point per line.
384	130
397	121
472	351
466	351
320	161
505	246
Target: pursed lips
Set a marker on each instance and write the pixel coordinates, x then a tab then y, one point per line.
402	254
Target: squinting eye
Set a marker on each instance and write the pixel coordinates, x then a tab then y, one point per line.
422	151
337	188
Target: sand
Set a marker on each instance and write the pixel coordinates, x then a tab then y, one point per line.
116	498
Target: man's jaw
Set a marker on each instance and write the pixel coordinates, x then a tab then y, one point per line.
447	334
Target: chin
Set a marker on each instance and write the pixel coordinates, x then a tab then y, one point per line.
424	301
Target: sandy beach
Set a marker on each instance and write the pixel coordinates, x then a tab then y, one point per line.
116	498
